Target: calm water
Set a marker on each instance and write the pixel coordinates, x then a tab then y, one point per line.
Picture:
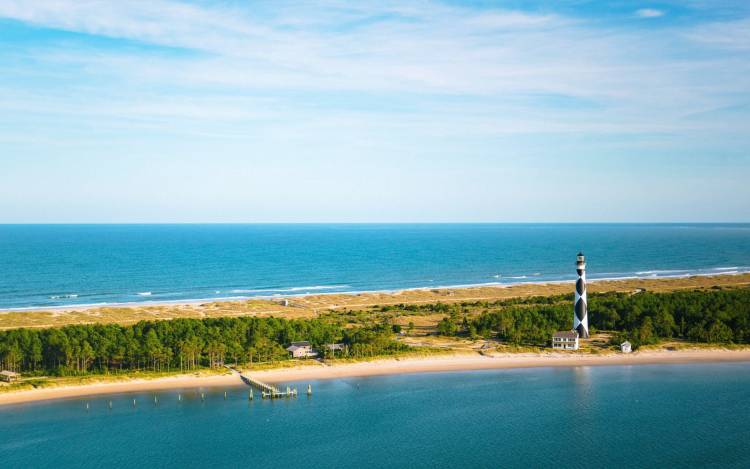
53	265
639	416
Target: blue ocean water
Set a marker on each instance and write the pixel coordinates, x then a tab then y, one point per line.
60	265
621	416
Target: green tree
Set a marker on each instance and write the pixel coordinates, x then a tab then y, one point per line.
446	326
719	333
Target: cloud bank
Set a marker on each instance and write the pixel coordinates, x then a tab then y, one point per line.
342	86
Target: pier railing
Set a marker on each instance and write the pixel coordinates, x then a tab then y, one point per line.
267	390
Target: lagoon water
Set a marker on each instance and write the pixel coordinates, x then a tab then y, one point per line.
619	416
63	265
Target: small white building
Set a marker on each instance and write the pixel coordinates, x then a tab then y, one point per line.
565	340
8	376
339	347
626	347
301	350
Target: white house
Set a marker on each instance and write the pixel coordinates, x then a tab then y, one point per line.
301	350
626	347
565	340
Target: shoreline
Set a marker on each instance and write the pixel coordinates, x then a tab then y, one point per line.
117	387
354	293
380	367
473	362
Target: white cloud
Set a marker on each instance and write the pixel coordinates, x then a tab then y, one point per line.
337	95
649	13
511	65
727	36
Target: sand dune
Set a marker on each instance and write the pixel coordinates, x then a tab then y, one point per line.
308	306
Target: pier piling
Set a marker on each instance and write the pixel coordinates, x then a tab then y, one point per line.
267	390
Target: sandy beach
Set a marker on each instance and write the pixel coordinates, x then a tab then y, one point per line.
442	363
466	362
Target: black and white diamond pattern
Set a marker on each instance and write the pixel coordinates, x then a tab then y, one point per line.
580	315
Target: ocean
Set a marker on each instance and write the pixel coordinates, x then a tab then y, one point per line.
66	265
610	416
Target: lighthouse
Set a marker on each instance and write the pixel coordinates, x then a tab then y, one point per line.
580	309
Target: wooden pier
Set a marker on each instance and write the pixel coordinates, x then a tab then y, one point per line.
268	391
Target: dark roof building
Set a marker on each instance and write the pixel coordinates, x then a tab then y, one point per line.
301	349
565	340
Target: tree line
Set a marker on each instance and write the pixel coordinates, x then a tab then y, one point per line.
713	316
180	344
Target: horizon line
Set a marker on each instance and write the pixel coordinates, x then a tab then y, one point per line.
113	223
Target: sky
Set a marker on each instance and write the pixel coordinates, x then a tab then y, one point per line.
333	111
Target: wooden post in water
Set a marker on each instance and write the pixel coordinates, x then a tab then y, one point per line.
156	400
250	395
133	402
225	395
87	407
179	397
110	405
309	389
203	397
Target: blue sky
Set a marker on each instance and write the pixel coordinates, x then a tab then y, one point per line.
167	111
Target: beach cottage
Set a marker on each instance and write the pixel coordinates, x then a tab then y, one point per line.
301	350
8	376
565	340
626	347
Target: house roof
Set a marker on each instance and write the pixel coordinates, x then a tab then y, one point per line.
625	343
304	343
9	373
566	334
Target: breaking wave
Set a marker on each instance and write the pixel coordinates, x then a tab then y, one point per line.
291	289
